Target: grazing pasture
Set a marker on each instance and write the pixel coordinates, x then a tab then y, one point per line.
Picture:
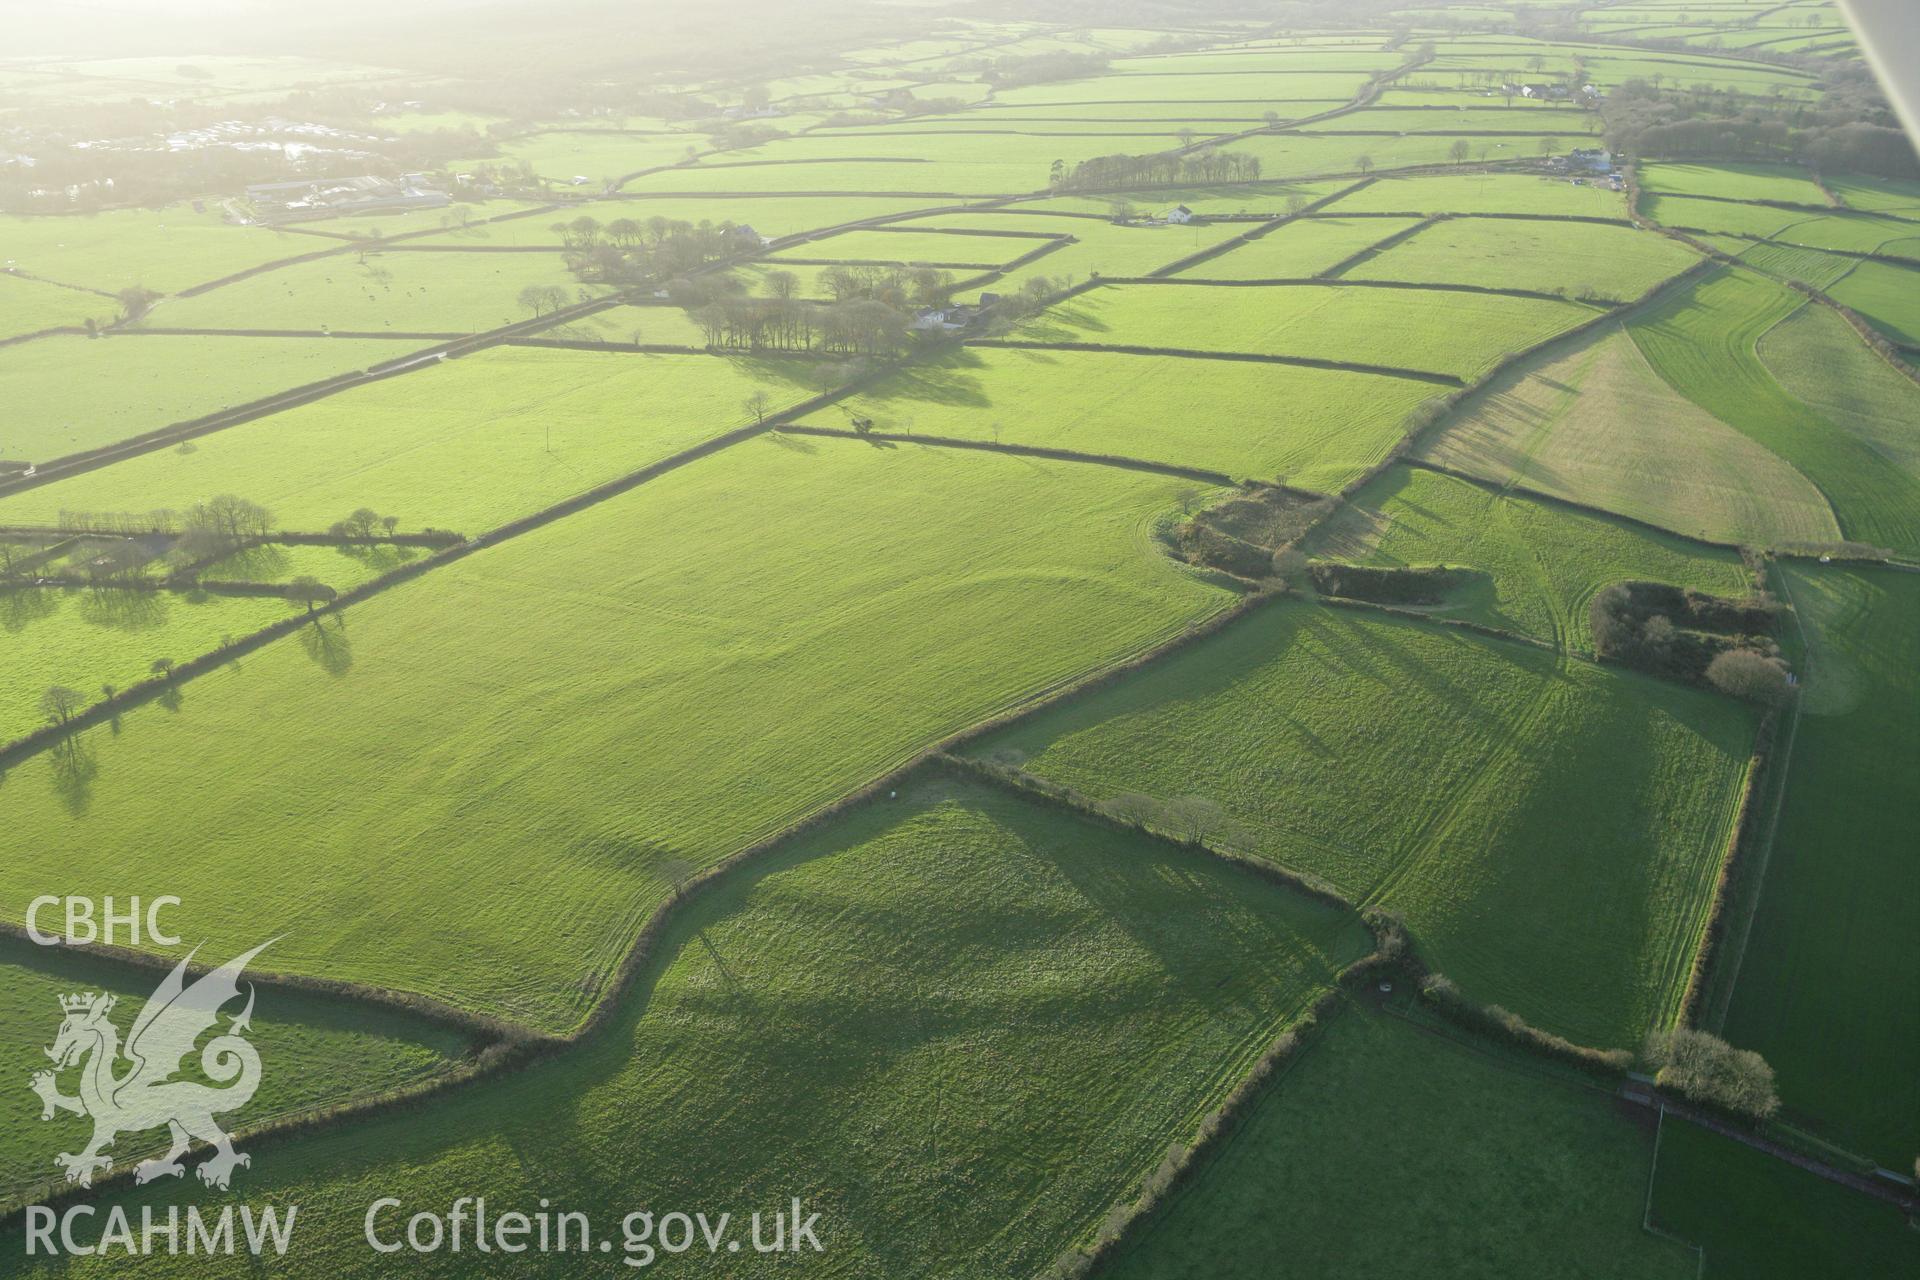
1888	296
323	1052
340	567
1704	341
771	216
842	1021
1263	89
1318	154
599	155
466	446
378	291
84	637
1099	248
28	306
1598	426
1302	248
1319	428
1542	563
1819	360
68	394
163	249
1823	1004
1461	334
1787	183
1483	193
1586	260
672	721
1375	1111
1878	195
913	246
1759	1218
1553	851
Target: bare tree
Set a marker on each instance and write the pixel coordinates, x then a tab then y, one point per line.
1363	164
1749	674
59	703
758	404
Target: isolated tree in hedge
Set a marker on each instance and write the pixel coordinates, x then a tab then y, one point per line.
757	404
309	590
59	703
1749	674
1363	164
1458	151
161	667
361	523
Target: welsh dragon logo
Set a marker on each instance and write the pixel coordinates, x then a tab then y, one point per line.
144	1095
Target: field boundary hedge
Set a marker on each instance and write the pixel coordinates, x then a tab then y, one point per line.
1018	450
170	331
1327	282
425	1008
1570	504
265	406
1267	227
1255	357
1734	860
1379	246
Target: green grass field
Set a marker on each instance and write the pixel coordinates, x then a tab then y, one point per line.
1704	342
1886	295
671	718
1248	86
322	1052
596	154
340	567
1733	181
1837	1017
841	1022
1584	259
81	638
770	216
1543	563
1550	829
1482	193
1099	248
1758	1218
1390	1151
1598	426
396	290
1454	333
1898	199
70	394
467	446
161	249
1315	154
1217	416
1298	250
1819	360
912	246
28	306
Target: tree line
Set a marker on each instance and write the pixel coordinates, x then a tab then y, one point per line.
1161	169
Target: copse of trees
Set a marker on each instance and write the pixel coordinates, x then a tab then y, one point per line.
1705	1068
1044	68
627	251
1749	674
1161	169
1682	634
1849	130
